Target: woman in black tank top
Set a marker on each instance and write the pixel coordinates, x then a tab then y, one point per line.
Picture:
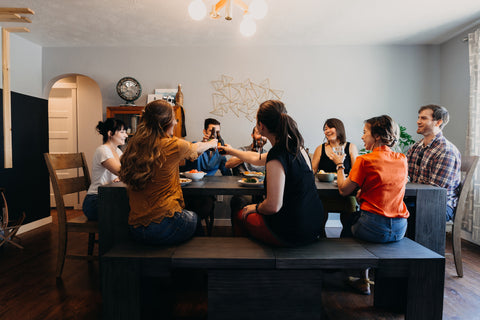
335	135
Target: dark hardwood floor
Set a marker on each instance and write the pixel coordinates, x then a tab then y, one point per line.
29	290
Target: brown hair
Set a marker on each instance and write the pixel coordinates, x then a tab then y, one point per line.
439	113
339	127
273	114
143	153
385	128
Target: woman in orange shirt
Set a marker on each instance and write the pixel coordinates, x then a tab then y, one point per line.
150	168
381	176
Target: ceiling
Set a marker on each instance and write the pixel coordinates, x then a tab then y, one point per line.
114	23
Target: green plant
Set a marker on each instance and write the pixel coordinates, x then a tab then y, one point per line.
404	142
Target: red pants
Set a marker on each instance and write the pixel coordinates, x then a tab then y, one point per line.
255	226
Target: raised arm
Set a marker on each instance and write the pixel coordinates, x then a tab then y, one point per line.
204	146
246	156
233	162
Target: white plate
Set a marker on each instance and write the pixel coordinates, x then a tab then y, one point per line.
185	181
251	184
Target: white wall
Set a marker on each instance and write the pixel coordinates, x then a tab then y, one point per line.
25	67
351	83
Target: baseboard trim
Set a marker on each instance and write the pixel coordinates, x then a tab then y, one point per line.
35	224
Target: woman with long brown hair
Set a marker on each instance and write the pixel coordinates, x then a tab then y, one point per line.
291	213
150	168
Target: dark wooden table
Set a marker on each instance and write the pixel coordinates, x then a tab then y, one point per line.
426	227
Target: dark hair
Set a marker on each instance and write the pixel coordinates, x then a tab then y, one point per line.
273	114
439	113
339	127
143	153
111	124
385	128
210	121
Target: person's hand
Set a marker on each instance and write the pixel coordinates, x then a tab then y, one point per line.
247	210
227	148
212	143
337	159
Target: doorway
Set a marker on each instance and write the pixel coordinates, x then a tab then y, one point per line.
74	109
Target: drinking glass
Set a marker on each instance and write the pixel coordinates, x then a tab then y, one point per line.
338	150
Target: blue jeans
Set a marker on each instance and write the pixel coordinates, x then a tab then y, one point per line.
176	229
90	206
376	228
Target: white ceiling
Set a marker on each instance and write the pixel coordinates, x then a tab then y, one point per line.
69	23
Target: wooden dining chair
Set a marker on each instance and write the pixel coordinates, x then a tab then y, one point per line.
8	229
62	187
468	167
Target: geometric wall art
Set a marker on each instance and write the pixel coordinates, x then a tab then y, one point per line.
241	98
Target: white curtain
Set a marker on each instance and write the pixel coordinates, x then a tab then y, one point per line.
471	222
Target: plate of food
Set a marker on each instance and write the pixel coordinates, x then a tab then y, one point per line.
254	174
185	181
251	182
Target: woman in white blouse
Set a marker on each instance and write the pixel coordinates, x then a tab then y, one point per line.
106	162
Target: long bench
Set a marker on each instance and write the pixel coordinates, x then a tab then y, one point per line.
249	280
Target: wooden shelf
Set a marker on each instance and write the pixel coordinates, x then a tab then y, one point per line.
124	110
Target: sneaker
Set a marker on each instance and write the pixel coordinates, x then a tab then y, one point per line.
360	285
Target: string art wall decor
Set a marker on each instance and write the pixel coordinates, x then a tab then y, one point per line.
241	98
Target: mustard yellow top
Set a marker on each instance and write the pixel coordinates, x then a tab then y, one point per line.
162	196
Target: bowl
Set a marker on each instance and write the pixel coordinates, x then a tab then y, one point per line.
195	176
325	177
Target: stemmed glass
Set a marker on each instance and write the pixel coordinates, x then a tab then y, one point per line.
339	150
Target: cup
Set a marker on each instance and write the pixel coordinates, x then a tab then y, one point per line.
339	150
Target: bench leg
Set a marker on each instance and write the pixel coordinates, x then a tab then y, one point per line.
425	290
264	294
120	289
418	291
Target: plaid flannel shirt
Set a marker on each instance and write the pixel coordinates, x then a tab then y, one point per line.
436	164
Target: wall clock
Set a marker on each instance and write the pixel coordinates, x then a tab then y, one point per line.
129	89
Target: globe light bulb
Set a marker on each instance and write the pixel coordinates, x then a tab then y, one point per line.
248	26
197	10
258	9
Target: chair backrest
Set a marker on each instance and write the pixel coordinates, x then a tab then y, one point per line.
469	164
4	209
65	186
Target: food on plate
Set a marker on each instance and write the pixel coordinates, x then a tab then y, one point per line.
184	180
250	180
194	171
256	173
323	172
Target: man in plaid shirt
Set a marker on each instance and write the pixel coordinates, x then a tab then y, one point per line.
435	160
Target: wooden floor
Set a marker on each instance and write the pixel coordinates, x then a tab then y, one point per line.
29	290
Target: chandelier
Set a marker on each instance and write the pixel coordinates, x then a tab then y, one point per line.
255	11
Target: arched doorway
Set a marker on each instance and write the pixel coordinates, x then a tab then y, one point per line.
74	109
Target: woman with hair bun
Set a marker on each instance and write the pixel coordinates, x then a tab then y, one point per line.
150	168
291	213
106	162
381	176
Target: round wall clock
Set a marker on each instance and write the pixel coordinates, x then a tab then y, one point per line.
129	89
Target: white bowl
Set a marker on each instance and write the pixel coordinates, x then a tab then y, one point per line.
194	176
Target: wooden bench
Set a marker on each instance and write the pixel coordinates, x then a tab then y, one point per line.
249	280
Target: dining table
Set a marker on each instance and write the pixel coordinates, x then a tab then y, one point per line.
425	226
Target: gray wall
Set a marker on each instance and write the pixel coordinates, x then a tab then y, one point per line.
349	82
